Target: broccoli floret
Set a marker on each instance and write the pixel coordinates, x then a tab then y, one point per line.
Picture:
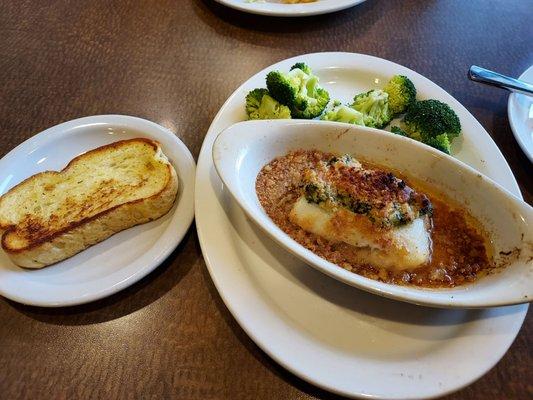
260	105
402	93
374	105
303	66
299	91
428	119
440	142
398	131
342	113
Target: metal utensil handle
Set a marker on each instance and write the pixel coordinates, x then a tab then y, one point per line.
488	77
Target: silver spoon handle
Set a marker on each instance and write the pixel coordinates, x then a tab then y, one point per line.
478	74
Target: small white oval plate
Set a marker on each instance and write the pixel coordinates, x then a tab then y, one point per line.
118	261
276	8
520	112
333	335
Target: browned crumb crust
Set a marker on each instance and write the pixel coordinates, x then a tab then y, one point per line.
459	251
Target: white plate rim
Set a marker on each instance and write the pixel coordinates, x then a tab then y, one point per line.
290	10
527	148
173	234
205	166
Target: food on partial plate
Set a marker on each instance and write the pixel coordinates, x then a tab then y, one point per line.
53	215
297	94
373	222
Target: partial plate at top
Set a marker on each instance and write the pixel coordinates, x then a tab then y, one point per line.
118	261
330	334
520	111
279	9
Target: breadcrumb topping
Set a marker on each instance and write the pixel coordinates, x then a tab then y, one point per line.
460	254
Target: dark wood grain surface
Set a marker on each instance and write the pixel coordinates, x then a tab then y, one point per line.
175	62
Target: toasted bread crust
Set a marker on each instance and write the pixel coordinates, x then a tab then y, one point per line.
101	149
80	234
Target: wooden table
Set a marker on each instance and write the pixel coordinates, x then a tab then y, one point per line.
175	62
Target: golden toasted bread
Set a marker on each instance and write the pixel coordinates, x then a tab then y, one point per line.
54	215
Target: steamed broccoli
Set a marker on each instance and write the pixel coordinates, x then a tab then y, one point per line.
299	90
402	93
342	113
428	119
260	105
440	142
374	105
398	131
303	66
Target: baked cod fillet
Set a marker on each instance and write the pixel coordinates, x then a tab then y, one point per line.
369	209
54	215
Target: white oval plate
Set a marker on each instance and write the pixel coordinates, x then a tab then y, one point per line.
118	261
276	8
242	150
330	334
520	112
